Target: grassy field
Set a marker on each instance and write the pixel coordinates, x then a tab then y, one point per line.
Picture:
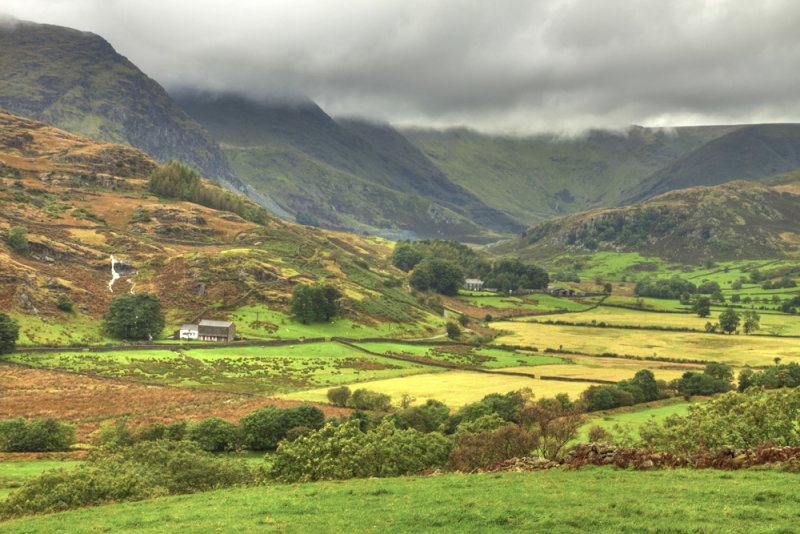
737	350
460	354
266	370
455	388
262	323
529	302
13	473
589	500
630	418
771	323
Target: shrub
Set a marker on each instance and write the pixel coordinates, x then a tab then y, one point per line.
489	448
143	471
214	434
339	396
342	452
35	435
9	333
364	399
18	240
263	429
453	331
64	303
598	433
425	418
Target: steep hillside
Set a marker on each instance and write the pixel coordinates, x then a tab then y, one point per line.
76	81
347	174
737	220
82	202
747	153
537	178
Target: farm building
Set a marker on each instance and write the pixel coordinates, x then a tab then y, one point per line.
216	330
560	291
188	331
473	284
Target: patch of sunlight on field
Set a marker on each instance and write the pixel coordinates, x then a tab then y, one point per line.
454	388
87	236
738	350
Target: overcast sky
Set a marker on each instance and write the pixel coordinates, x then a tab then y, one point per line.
501	65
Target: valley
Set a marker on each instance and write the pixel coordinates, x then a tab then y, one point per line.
322	323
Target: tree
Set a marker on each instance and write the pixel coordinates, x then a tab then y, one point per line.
9	333
405	256
453	331
702	306
18	240
729	320
750	321
314	304
134	316
441	276
608	288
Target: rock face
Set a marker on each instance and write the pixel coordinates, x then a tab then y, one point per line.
78	82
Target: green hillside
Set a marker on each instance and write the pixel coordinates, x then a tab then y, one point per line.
81	201
737	220
747	153
348	174
76	81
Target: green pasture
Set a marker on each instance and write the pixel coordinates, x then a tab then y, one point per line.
599	499
736	350
628	420
463	355
262	323
72	328
535	302
268	370
645	303
14	473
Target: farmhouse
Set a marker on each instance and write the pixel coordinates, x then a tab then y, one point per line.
188	331
473	284
216	330
209	331
560	291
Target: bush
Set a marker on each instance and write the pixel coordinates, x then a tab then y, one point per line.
425	418
263	429
214	434
64	303
339	396
18	240
342	452
36	435
453	331
364	399
9	333
144	471
489	448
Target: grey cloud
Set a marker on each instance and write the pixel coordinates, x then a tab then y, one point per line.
507	65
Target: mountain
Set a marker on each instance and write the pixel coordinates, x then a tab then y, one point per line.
76	81
735	220
750	152
81	202
536	178
347	174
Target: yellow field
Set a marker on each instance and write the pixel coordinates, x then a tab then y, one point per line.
770	323
737	350
599	373
454	388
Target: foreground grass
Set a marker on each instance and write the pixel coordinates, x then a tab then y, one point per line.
590	500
